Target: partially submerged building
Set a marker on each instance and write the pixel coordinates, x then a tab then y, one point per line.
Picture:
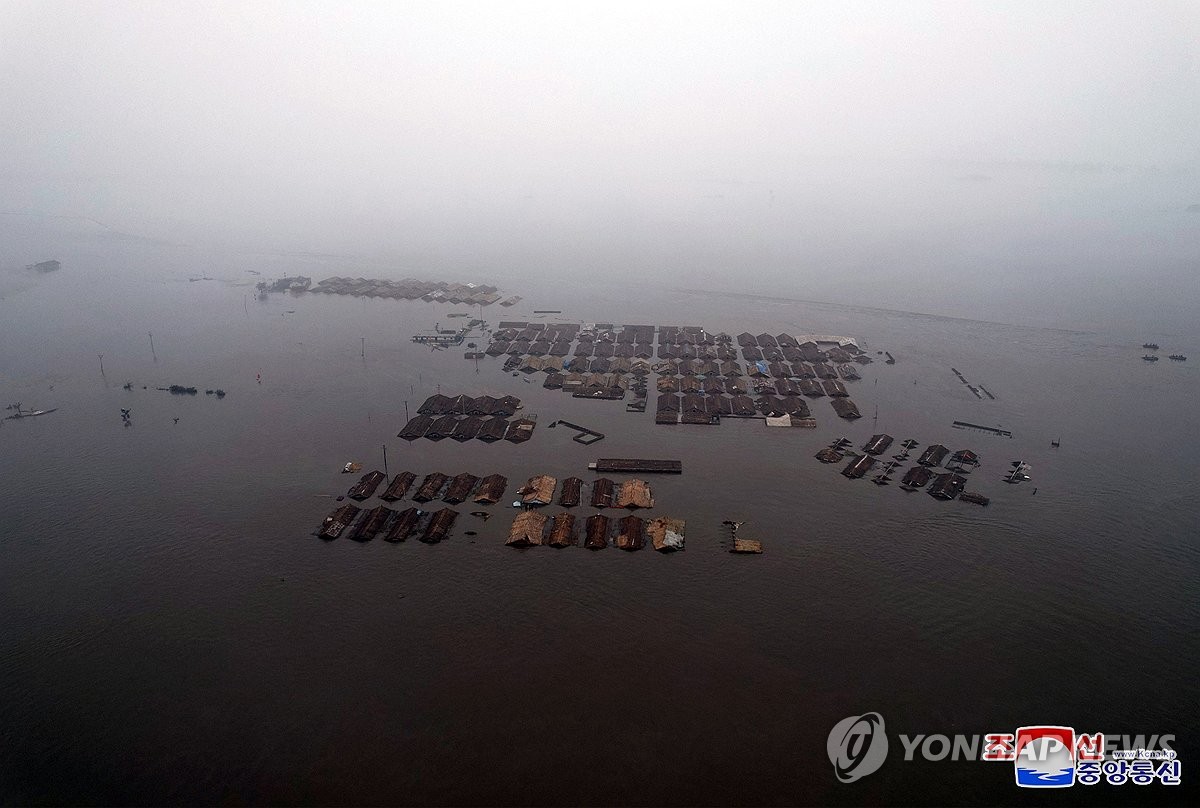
916	477
439	526
665	533
878	444
460	488
399	486
933	455
366	486
858	466
572	488
431	487
562	531
631	533
947	486
493	429
403	525
602	493
596	532
527	529
538	491
491	489
634	494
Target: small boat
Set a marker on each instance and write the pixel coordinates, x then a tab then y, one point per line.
1150	358
30	413
1019	473
1178	357
1054	443
1150	346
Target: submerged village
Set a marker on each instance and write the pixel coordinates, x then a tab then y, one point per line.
683	377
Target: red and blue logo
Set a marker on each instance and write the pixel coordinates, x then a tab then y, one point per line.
1045	757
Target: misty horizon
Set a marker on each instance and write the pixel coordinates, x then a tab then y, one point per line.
1009	153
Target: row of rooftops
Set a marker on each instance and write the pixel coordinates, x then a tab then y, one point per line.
439	404
410	289
738	405
647	351
666	335
716	385
681	367
933	455
464	428
556	344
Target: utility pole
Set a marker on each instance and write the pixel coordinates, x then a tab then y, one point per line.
406	410
101	363
364	347
386	476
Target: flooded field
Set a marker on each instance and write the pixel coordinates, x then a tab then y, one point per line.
175	632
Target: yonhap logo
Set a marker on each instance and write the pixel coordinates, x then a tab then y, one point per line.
857	746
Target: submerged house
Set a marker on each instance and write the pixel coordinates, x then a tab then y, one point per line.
666	534
539	490
460	488
631	533
562	532
858	466
596	532
878	444
916	477
520	430
442	427
634	494
947	486
403	525
572	488
527	529
467	428
439	526
933	455
431	487
491	489
602	493
436	405
845	408
399	486
493	429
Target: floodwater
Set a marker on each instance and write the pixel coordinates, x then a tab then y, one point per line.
174	632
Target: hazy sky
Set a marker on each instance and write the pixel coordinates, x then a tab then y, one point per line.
409	128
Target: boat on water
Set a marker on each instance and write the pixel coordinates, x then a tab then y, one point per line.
1178	357
1150	346
1150	358
1020	472
20	413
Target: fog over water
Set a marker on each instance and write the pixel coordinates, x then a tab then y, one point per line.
1021	162
1008	192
